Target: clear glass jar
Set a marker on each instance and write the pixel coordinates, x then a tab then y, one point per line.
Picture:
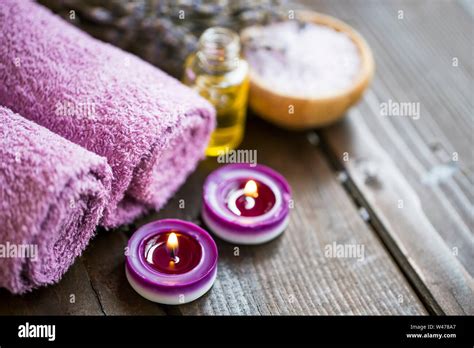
218	73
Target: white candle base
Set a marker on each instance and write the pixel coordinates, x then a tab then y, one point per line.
167	299
245	238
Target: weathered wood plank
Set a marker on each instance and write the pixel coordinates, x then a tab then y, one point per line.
105	263
416	65
291	275
400	219
72	295
424	161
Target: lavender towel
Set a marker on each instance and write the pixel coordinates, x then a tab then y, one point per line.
52	195
150	127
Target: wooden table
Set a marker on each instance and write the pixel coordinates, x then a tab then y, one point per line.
400	187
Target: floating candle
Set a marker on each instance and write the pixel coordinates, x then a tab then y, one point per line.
171	261
167	254
251	200
245	204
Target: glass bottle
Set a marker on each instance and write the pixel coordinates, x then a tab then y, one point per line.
218	73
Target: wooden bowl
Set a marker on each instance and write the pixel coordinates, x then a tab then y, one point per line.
318	111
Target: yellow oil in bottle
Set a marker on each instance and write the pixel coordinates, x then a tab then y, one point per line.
217	73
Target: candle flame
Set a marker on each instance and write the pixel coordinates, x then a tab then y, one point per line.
172	242
250	189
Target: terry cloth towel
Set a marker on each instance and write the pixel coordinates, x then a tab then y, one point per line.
52	195
151	128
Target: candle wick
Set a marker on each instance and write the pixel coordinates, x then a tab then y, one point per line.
173	256
249	202
172	246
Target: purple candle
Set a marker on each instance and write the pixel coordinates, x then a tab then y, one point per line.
246	205
171	261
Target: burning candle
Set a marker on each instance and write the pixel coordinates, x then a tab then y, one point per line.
246	205
171	261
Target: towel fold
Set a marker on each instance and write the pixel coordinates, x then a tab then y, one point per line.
150	127
52	195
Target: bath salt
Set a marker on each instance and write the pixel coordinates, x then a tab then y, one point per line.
303	59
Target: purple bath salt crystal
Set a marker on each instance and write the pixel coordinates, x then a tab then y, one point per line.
305	60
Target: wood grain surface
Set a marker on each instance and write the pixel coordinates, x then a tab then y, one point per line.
423	162
290	275
398	186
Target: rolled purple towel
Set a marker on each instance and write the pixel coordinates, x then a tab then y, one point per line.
151	128
52	195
